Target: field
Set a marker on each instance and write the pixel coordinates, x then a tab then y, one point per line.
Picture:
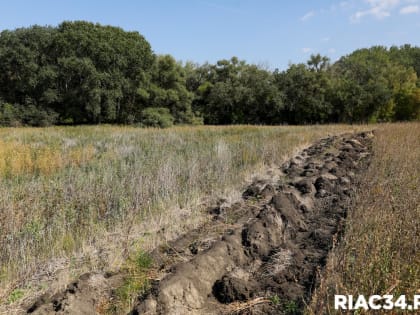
380	251
67	192
77	199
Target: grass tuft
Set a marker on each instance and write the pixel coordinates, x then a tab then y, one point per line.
136	283
16	295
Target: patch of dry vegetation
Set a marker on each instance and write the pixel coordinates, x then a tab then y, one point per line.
380	250
81	198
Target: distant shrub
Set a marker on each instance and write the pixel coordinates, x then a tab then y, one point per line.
34	116
14	115
157	117
9	115
197	120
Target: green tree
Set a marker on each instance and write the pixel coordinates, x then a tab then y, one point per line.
81	72
168	89
318	62
104	67
9	115
157	117
88	73
407	56
233	92
26	75
370	86
306	90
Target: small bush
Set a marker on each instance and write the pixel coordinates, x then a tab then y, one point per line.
13	115
40	117
157	117
9	115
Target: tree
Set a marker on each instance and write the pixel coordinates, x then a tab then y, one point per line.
369	85
407	56
234	92
104	68
81	72
168	89
306	89
87	73
318	62
26	74
157	117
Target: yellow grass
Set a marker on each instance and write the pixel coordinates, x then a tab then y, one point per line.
380	251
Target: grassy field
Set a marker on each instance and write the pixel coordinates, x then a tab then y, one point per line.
380	251
83	198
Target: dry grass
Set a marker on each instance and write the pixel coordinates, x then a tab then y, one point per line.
380	250
240	307
83	197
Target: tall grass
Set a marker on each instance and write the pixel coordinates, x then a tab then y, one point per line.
380	251
72	192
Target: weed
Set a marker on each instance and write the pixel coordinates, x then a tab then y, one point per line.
291	308
16	295
274	299
136	283
143	261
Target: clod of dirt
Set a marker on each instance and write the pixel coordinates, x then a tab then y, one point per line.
230	289
286	204
305	186
268	191
80	297
258	189
263	234
326	182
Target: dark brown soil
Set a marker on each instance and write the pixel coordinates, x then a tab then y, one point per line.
269	247
84	296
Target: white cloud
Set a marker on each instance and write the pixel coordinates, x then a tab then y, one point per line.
379	9
326	39
307	16
383	3
332	50
306	50
410	9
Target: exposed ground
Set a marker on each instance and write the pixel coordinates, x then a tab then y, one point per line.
260	255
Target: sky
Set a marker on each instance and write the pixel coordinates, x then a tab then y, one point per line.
271	33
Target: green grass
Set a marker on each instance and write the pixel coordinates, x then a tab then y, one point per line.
74	196
136	282
16	295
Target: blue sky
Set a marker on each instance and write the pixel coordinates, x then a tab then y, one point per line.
267	32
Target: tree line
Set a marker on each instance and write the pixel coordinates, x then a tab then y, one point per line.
85	73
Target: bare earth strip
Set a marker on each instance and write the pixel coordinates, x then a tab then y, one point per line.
260	255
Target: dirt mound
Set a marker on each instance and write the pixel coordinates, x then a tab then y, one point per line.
280	240
260	255
84	296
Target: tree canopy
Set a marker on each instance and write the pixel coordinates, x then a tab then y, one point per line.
85	73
